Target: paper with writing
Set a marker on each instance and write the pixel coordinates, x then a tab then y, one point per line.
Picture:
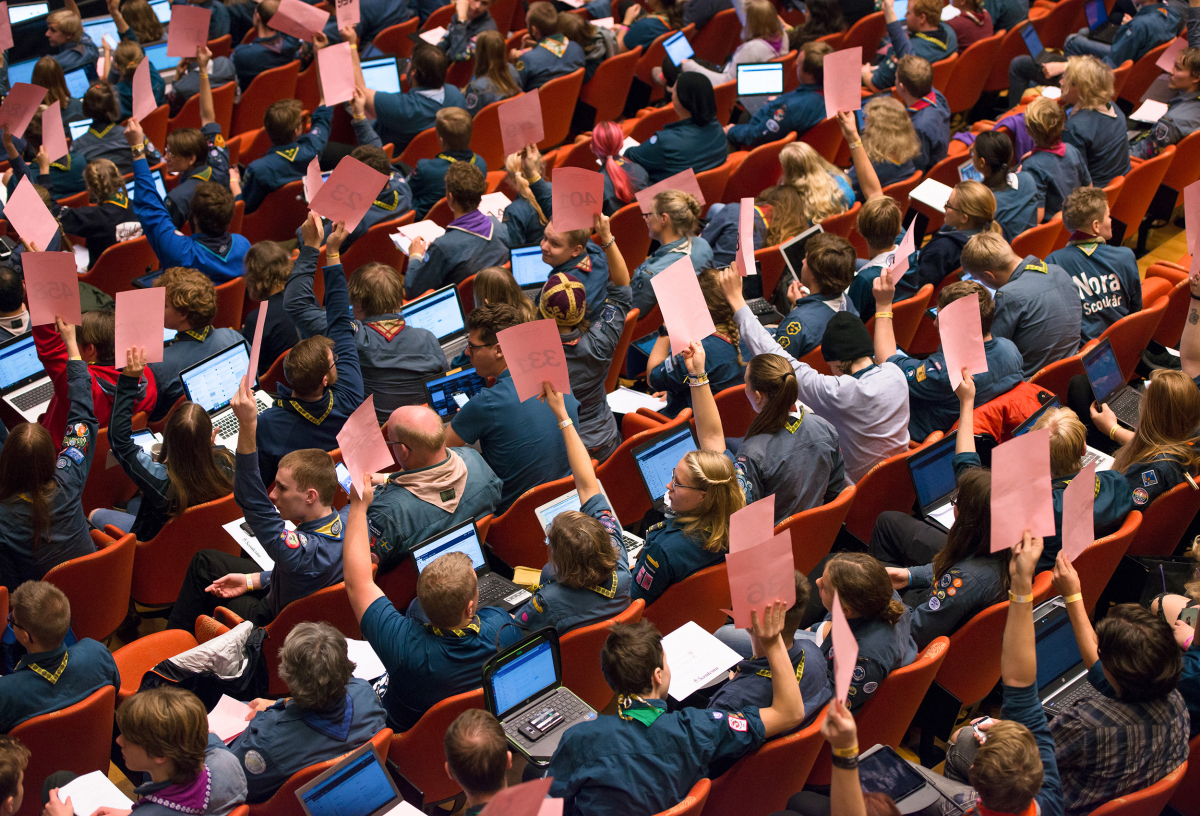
189	30
684	310
760	575
534	353
684	181
348	13
1078	520
696	658
845	650
52	286
140	323
843	81
520	122
362	444
337	73
961	330
578	196
1021	494
349	192
250	544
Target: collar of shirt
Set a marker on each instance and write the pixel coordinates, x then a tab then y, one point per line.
883	259
199	335
858	374
1059	149
49	665
631	707
924	102
475	222
682	246
334	722
219	245
329	526
17	324
436	94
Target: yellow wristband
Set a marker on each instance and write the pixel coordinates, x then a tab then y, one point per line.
1020	598
846	752
76	357
1112	433
888	315
856	145
353	46
566	423
332	256
1078	596
249	582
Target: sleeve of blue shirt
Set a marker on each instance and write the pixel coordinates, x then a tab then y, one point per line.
755	132
299	301
71	473
388	631
364	134
661	577
471	421
1022	705
426	273
349	385
898	34
172	248
253	192
648	154
929	387
670	375
962	462
263	517
1128	43
146	473
543	194
318	134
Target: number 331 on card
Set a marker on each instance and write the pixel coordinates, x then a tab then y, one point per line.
534	352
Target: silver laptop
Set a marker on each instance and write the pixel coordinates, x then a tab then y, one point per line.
211	384
464	538
358	785
441	313
1061	675
23	380
547	512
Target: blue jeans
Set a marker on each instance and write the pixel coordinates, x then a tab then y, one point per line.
1079	45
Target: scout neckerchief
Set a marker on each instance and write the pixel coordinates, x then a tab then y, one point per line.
924	102
297	407
388	200
330	728
556	44
610	591
921	35
1040	266
473	223
203	173
101	133
1059	150
190	797
1084	242
473	626
447	157
765	212
51	676
387	327
66	168
199	335
633	707
767	672
119	198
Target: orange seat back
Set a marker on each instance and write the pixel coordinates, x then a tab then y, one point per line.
867	32
693	803
609	86
1064	18
221	46
1056	377
579	154
887	486
1011	47
107	487
1132	333
763	780
556	97
265	89
581	657
719	37
308	88
376	245
395	40
419	752
757	171
485	135
1170	327
516	536
1165	520
230	296
900	190
271	380
700	597
814	530
628	494
1187	796
97	585
735	409
284	801
1143	73
440	18
726	95
118	265
826	138
423	146
161	563
629	228
1098	562
650	124
1141	183
842	223
330	604
942	71
622	349
771	266
907	316
277	216
712	183
969	74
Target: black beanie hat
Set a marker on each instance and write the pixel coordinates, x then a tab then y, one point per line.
846	339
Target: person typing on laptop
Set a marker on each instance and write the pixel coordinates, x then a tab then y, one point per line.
395	358
306	558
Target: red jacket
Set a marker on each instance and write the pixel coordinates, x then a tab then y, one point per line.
53	354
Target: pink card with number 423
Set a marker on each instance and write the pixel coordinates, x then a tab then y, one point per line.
349	192
534	352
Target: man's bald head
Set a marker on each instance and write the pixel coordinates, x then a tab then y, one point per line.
421	430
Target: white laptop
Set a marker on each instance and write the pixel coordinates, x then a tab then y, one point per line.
23	380
547	512
211	384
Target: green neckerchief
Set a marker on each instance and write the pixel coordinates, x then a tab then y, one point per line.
633	707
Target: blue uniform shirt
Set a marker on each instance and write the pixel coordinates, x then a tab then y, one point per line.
1108	282
1056	175
459	42
724	370
591	269
480	92
1149	480
722	228
937	259
801	331
457	255
882	648
932	45
752	685
1101	137
190	346
793	112
73	56
285	163
589	355
680	145
105	140
670	555
1114	500
428	180
695	248
375	16
1017	204
888	172
402	116
931	119
1152	25
522	226
1006	14
125	92
800	464
947	603
645	30
551	58
1040	311
215	168
53	680
262	54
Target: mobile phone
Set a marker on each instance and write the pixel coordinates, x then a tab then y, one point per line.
931	312
343	477
1189	615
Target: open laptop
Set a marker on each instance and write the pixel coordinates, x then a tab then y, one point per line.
77	83
449	392
1108	384
159	61
678	48
760	79
792	250
932	474
522	687
1034	44
27	11
546	513
441	313
1102	30
358	785
464	538
158	185
211	384
1103	460
656	460
162	10
79	127
529	270
98	28
382	74
21	71
1061	675
23	380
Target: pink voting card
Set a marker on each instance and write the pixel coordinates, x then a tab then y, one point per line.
53	136
29	216
745	249
337	73
52	285
534	352
348	194
140	323
364	449
845	650
551	807
298	19
961	330
19	107
348	13
1021	498
521	800
1166	60
228	718
578	197
682	303
761	575
6	35
143	92
684	182
256	348
843	81
520	122
908	245
189	30
753	524
312	179
1078	523
1191	214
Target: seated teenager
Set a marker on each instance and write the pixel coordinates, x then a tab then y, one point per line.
597	42
927	108
972	24
495	78
970	210
779	214
401	116
306	558
827	271
292	149
14	758
126	58
107	222
14	316
1183	108
546	53
269	48
891	143
1095	125
1057	166
428	179
696	141
525	219
644	25
795	111
69	45
825	189
921	32
471	19
496	286
763	39
1016	192
268	266
50	676
48	74
196	155
395	358
477	757
879	224
673	221
623	178
327	712
574	253
104	138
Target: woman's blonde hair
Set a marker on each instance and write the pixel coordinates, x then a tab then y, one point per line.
495	285
889	135
1068	439
1092	78
102	179
762	21
719	308
1167	417
807	171
708	524
516	177
978	205
681	209
1044	120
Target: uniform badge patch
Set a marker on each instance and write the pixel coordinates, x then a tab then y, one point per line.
717	715
869	688
1149	478
81	429
61	463
737	723
952	592
74	454
290	538
1140	496
934	603
859	673
921	375
644	579
254	762
772	126
793	328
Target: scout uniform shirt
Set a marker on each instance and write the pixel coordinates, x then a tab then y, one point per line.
285	163
106	140
668	557
882	647
590	268
1016	204
1101	136
804	327
930	116
459	42
1107	279
752	684
951	600
695	248
680	145
937	259
215	168
722	228
589	355
75	55
428	180
220	787
1114	498
800	463
1149	480
53	680
401	116
470	243
1151	26
189	347
932	45
1057	170
1039	310
262	54
480	92
793	112
553	57
724	370
522	226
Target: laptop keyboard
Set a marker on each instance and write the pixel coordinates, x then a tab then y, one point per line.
1079	691
566	705
1125	404
34	398
227	426
454	348
493	590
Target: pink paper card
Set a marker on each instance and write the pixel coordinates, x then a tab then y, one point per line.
363	447
761	575
1191	214
189	30
684	182
1078	523
29	216
19	107
312	179
256	347
551	807
520	122
578	197
140	323
843	81
745	249
53	136
52	285
349	193
961	329
753	524
6	35
682	303
228	718
1166	60
348	13
143	92
534	352
845	650
337	73
908	245
297	19
1021	497
521	800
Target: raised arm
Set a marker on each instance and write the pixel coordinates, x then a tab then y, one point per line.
704	405
114	10
208	111
356	553
868	179
581	463
299	301
618	272
1018	659
1189	343
841	732
787	704
965	441
885	335
1066	582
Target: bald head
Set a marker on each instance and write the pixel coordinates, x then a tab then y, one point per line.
422	434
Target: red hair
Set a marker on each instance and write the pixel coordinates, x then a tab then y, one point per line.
607	138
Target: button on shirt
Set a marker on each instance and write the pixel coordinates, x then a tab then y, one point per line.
1107	279
1040	311
680	145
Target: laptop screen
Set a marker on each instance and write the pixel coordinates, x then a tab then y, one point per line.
548	513
359	789
1057	650
19	361
450	393
162	10
438	313
381	75
678	48
19	14
656	460
793	250
932	472
901	7
1103	372
77	83
96	31
1027	426
157	54
528	267
462	538
527	676
158	185
766	78
1032	42
80	127
21	71
1097	14
967	172
212	383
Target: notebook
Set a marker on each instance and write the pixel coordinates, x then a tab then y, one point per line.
211	384
932	473
1108	384
464	538
760	79
440	313
23	380
656	460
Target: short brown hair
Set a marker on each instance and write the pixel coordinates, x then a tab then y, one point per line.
1138	649
42	610
543	15
477	751
795	613
581	550
1044	119
282	119
879	221
1083	206
454	126
14	757
372	157
1007	772
812	56
314	664
630	655
863	585
99	329
191	293
492	319
1068	439
167	722
962	289
188	142
831	261
428	67
915	74
466	183
313	469
1189	58
267	266
212	207
307	363
931	10
377	289
445	587
100	103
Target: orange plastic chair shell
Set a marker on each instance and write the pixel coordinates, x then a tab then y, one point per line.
419	752
161	563
887	486
700	597
609	86
1165	520
266	88
118	265
277	216
814	530
97	585
1098	562
581	657
693	804
764	780
628	495
1149	801
108	487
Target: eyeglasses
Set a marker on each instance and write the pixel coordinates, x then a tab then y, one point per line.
335	360
13	622
950	207
474	347
674	483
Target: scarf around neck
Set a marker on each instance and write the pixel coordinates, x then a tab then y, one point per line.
441	485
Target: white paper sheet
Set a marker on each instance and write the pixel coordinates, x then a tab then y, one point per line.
696	658
92	791
493	204
604	22
228	718
367	665
251	544
933	193
404	809
434	35
627	401
1150	111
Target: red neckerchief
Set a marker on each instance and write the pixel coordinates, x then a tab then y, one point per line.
1081	236
723	337
983	811
1059	150
924	102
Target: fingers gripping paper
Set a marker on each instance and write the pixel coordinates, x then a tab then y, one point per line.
578	195
140	323
745	250
1078	521
143	92
520	122
29	216
52	285
349	193
534	352
961	329
843	81
760	575
908	245
337	73
363	447
1021	496
845	650
189	30
682	303
53	136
